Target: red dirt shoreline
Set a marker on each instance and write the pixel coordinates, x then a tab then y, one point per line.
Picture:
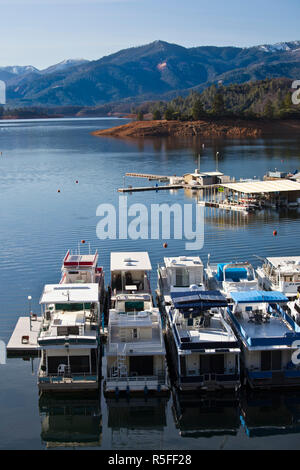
233	128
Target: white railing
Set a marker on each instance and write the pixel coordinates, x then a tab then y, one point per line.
144	346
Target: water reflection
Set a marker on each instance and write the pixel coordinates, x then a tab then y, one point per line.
139	421
71	422
198	417
270	414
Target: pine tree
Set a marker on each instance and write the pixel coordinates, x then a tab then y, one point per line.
157	115
218	106
197	110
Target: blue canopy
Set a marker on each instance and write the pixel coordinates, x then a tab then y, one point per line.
202	300
258	296
234	273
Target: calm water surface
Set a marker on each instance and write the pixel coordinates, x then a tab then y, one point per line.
38	225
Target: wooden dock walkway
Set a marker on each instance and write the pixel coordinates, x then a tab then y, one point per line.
149	188
17	347
149	176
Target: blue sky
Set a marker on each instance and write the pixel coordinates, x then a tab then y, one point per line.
44	32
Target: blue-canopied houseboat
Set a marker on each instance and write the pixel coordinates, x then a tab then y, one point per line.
204	349
268	337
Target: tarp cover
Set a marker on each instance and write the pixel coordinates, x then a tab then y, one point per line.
202	300
235	274
258	296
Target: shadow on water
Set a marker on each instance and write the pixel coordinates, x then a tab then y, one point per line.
140	421
67	421
270	414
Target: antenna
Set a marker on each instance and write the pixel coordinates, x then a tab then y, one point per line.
29	308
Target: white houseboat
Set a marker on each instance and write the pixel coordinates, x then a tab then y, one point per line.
280	274
230	277
69	339
136	356
203	348
267	336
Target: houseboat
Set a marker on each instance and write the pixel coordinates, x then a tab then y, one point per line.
294	308
280	274
178	274
203	348
69	338
268	337
136	356
230	277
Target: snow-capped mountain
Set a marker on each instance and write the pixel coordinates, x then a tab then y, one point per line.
18	69
65	64
280	46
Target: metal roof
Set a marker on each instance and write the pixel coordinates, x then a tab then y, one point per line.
70	293
251	187
292	262
130	261
180	261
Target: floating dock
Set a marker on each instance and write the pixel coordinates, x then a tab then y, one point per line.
23	341
149	188
149	176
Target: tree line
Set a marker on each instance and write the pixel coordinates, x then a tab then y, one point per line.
268	99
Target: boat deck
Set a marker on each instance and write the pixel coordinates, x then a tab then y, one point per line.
15	345
275	327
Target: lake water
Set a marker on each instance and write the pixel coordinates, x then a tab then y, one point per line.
37	226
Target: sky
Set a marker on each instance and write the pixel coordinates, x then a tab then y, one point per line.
45	32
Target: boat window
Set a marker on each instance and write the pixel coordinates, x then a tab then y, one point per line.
79	364
73	307
134	306
212	363
271	360
67	330
182	278
141	365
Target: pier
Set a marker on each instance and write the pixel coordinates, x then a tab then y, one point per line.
23	341
150	176
131	189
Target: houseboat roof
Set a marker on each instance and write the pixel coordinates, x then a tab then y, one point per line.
69	293
259	187
130	261
188	261
77	260
284	262
256	296
202	300
205	173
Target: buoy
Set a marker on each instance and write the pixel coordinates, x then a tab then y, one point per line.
83	242
165	245
58	190
275	233
76	181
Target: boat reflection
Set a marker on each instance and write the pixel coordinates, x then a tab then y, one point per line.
207	416
137	421
70	423
270	414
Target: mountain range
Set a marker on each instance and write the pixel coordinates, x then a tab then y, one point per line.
158	70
